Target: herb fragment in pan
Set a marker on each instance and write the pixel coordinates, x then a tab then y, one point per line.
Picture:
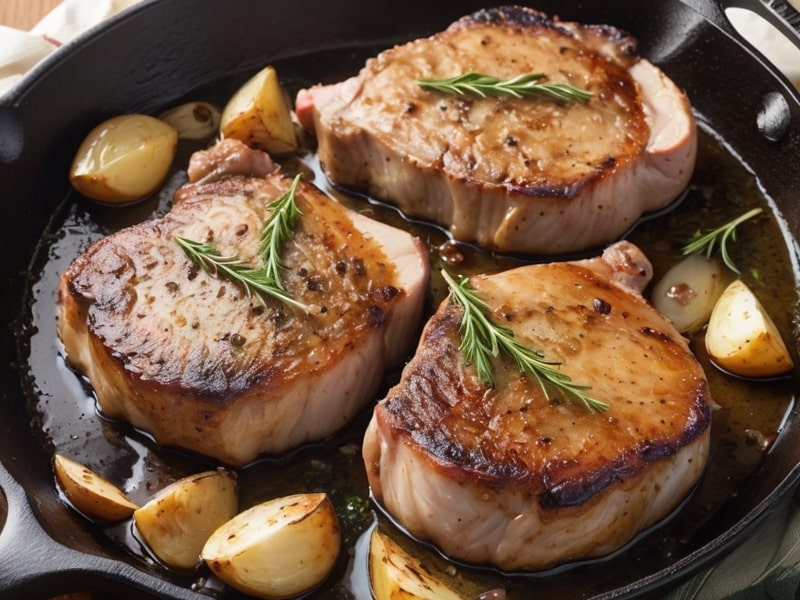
706	243
266	281
482	340
482	85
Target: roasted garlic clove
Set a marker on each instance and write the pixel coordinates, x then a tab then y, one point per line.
259	115
124	159
396	575
178	520
687	292
742	338
193	120
277	549
91	494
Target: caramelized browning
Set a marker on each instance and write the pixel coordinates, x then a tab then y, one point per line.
513	174
513	435
190	357
530	146
139	295
525	466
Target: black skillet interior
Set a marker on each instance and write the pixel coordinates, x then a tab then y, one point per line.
160	51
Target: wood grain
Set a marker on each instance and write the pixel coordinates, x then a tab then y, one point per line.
24	14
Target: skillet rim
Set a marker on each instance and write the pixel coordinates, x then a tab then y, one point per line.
704	555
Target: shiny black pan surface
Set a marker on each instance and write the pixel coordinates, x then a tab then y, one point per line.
162	51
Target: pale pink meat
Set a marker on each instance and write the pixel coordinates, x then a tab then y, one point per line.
508	477
511	174
192	359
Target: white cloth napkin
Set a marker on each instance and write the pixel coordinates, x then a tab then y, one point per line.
21	50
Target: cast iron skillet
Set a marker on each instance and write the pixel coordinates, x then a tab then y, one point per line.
160	51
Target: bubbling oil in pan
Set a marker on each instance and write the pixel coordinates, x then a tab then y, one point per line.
66	419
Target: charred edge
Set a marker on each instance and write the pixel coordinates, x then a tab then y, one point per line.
566	191
386	293
563	192
520	17
515	16
624	40
578	492
375	317
699	418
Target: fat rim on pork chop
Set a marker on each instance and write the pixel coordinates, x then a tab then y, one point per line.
530	174
509	477
204	365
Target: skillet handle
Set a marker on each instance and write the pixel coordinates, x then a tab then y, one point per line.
778	13
788	12
784	17
35	565
779	56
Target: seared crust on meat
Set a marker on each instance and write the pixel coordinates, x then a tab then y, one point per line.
543	481
511	174
194	360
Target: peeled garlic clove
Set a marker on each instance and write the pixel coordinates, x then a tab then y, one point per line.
193	120
259	115
396	575
124	159
178	520
687	293
91	494
278	549
742	338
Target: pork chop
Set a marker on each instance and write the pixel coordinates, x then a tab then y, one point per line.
510	174
507	477
191	358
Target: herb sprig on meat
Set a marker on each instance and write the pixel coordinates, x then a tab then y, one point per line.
482	339
482	85
265	281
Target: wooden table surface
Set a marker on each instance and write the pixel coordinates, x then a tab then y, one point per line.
24	14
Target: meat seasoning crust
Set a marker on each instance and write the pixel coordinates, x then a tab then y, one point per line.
189	357
506	477
512	174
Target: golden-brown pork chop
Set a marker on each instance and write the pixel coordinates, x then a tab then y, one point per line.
506	477
191	358
512	174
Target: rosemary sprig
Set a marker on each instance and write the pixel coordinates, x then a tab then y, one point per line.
254	281
706	243
522	85
482	339
278	229
267	280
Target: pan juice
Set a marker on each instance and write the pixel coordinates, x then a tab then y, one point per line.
65	417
